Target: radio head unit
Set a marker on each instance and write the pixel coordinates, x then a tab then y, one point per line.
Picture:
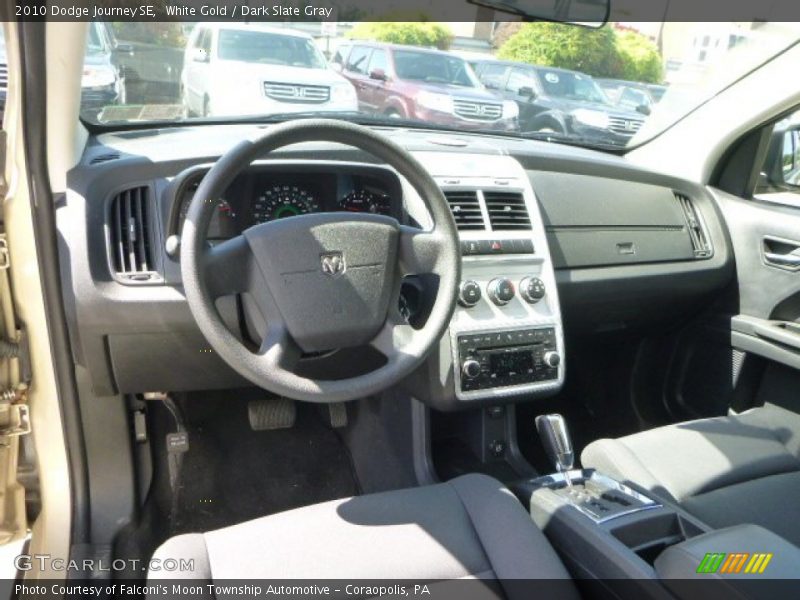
507	358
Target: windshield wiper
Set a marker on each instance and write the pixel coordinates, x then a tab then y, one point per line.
560	138
346	115
353	117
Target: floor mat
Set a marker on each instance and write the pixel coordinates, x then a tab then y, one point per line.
232	474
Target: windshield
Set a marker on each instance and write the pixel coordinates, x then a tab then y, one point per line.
433	68
611	87
571	86
268	48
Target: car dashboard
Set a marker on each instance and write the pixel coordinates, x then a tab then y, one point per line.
557	242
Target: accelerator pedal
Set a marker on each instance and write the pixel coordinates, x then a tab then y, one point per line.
337	413
271	413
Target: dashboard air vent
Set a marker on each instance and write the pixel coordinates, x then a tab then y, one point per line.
700	243
104	158
131	251
466	209
507	211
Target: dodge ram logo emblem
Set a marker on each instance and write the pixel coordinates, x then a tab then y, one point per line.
332	263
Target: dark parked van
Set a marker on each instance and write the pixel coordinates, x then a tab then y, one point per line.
565	102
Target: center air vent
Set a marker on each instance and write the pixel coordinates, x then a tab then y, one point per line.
507	211
466	210
697	233
131	249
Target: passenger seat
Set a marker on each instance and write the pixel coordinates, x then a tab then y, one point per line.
742	468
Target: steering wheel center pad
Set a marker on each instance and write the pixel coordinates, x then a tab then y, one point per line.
330	275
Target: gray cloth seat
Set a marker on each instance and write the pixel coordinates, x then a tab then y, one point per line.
726	471
469	527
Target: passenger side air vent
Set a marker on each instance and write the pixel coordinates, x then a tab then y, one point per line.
507	211
104	158
131	250
697	233
466	210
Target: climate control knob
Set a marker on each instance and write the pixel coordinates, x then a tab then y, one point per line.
500	290
469	294
532	289
471	368
552	359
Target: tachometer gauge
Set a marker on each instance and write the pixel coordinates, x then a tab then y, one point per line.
366	201
223	208
222	224
281	201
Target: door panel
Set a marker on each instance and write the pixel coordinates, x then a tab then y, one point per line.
766	239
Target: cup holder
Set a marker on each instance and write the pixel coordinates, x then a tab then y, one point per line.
648	537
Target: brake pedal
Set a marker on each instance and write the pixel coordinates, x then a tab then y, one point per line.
337	413
271	413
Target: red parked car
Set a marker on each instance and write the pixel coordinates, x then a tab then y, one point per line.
425	85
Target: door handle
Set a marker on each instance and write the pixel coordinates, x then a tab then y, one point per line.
783	260
780	253
784	333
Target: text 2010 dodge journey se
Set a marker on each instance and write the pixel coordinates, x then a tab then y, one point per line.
429	85
236	69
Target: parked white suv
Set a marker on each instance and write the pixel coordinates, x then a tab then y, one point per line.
235	69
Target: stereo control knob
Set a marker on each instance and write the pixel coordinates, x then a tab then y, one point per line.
552	359
501	290
469	294
471	368
532	289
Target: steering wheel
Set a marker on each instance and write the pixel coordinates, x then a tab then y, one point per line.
321	281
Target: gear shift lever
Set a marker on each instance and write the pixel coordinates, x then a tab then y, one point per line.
557	443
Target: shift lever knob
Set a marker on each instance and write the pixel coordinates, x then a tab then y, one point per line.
556	441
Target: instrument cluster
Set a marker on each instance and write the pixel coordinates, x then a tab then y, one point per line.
259	196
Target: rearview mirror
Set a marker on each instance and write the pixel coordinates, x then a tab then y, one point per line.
378	74
587	13
527	92
644	109
199	55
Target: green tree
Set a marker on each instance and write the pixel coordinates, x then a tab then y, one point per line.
641	60
411	33
591	51
602	52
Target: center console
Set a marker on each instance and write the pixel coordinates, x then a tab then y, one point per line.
505	339
623	542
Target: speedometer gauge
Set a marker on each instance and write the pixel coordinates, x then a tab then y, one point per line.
281	201
366	201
